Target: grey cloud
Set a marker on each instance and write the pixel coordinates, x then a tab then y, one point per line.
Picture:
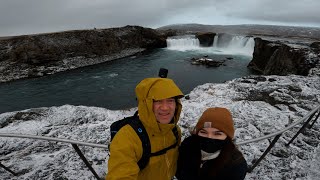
278	11
32	16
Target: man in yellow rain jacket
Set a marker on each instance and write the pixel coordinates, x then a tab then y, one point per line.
159	109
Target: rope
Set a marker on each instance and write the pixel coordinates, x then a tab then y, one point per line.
106	146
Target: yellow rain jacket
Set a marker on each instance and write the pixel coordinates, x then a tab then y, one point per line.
126	148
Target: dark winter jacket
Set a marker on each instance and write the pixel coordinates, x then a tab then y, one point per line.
230	164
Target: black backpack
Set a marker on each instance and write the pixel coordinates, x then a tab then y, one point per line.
137	125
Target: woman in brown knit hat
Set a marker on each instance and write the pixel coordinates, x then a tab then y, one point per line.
209	153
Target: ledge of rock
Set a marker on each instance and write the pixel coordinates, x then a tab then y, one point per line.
281	58
37	55
206	39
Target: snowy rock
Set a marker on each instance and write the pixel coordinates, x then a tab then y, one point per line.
260	105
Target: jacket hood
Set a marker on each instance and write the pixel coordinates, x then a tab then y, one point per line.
151	89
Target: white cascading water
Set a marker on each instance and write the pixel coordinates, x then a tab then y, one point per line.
234	44
183	43
222	44
215	41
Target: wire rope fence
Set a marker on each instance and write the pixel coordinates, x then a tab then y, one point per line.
307	122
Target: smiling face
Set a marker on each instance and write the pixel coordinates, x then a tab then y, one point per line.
212	133
164	110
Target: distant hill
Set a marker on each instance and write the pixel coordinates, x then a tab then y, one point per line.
311	33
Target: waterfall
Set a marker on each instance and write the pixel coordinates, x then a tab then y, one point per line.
234	44
222	44
215	41
183	43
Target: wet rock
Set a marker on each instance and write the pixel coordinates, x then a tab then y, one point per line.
206	39
207	61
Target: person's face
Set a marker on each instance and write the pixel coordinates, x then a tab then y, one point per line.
164	110
212	133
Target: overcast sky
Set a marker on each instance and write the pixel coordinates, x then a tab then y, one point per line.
36	16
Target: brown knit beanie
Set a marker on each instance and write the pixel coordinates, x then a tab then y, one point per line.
220	118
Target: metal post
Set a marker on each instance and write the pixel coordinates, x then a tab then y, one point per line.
265	153
311	125
85	161
301	129
6	168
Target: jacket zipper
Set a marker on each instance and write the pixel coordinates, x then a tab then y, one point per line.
166	159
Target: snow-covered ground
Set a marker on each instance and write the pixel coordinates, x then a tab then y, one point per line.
260	105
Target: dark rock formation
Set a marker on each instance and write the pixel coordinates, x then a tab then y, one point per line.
315	46
282	59
168	33
206	39
44	48
207	61
37	55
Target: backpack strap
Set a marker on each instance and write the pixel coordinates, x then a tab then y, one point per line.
163	151
117	125
138	127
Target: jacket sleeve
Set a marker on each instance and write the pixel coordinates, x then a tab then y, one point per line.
125	151
188	161
236	172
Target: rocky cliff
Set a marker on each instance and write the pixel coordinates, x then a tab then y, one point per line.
37	55
283	58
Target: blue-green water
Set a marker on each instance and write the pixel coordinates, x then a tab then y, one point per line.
111	84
